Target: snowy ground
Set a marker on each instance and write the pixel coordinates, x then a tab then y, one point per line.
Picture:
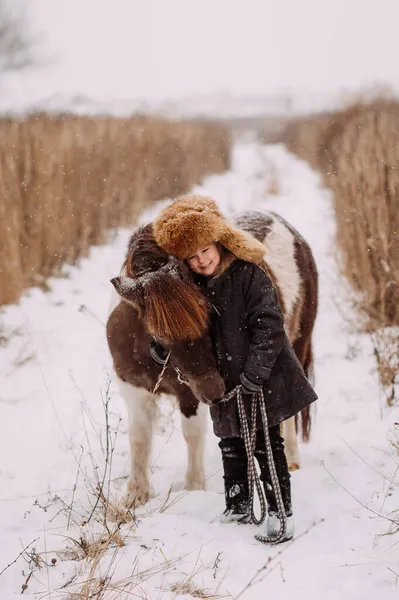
54	377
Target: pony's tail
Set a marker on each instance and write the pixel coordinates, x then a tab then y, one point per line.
305	417
308	364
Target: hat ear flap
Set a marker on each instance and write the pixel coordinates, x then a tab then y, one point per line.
129	289
242	244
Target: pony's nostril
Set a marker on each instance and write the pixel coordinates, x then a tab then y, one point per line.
217	401
206	400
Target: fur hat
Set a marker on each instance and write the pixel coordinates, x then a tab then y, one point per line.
193	222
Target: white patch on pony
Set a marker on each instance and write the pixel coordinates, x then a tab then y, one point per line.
291	443
194	431
281	258
141	409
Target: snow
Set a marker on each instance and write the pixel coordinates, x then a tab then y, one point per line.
54	379
23	95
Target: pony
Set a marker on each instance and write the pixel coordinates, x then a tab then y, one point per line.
159	341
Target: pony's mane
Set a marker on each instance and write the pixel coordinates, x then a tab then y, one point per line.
173	306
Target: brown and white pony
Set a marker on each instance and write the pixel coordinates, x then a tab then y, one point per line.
158	301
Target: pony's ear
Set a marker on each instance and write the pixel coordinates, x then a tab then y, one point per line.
178	269
129	289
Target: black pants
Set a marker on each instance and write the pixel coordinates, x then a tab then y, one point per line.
235	466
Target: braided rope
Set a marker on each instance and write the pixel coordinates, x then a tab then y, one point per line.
253	477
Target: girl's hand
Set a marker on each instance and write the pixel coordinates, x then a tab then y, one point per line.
248	385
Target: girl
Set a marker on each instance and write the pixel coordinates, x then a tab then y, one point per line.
250	343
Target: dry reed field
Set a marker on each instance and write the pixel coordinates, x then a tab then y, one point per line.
66	180
357	151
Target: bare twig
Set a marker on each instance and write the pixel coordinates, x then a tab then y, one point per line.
394	572
85	309
25	584
19	555
100	486
254	580
366	463
216	564
374	512
113	444
74	488
390	486
282	572
83	400
56	415
47	569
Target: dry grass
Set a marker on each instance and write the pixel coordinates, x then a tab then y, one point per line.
112	558
189	588
357	151
66	180
95	547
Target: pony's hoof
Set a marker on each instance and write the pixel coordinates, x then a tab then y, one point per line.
192	485
136	496
293	466
177	486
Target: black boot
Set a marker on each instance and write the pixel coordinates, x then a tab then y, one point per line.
285	488
235	466
237	505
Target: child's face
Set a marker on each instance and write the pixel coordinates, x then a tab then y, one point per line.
205	261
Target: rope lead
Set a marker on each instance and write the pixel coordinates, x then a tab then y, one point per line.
253	477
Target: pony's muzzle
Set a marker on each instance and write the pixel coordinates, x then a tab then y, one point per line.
215	392
209	389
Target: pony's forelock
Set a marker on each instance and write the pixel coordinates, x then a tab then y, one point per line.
175	309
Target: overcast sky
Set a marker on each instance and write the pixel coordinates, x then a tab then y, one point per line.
172	48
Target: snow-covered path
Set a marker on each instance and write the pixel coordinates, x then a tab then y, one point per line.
53	382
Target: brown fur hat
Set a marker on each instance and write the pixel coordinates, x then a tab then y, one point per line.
193	222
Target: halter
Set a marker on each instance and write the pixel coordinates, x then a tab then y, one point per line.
163	360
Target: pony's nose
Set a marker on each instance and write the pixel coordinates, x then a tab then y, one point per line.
217	394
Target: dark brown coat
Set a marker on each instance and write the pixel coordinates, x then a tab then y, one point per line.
247	331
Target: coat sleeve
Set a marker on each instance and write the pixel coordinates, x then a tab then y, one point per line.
266	326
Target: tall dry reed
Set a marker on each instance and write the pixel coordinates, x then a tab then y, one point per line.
357	151
66	180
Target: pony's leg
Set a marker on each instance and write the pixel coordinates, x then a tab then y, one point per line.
194	431
141	409
291	444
